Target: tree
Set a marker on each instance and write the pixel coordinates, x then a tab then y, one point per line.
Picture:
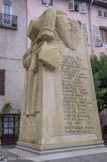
99	69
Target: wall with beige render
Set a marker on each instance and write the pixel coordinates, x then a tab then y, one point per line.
12	48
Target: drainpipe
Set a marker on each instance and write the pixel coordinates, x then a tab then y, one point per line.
91	2
90	27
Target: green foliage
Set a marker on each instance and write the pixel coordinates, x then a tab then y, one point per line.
6	108
14	24
99	69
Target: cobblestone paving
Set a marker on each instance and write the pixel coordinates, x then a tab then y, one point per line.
3	152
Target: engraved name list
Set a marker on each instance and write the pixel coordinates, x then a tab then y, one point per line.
76	100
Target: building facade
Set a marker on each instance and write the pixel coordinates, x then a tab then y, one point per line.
92	14
12	48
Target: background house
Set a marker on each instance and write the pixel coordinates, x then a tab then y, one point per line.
12	48
92	14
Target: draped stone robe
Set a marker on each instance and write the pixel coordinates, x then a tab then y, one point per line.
52	34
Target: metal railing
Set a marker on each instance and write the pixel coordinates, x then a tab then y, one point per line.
8	20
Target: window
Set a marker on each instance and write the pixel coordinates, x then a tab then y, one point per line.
100	35
10	128
7	6
6	9
8	20
6	15
8	125
105	13
47	2
86	32
71	5
82	8
102	13
103	35
2	82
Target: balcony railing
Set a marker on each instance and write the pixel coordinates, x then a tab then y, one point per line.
8	21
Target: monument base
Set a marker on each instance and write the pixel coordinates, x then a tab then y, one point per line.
90	153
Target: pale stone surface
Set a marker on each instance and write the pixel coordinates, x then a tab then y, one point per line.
59	104
93	153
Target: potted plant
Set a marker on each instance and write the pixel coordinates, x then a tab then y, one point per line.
14	24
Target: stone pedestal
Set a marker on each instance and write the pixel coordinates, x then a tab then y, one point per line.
90	153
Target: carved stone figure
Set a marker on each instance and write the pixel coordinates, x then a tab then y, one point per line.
52	35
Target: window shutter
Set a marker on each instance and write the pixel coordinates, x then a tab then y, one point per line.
86	32
101	35
97	36
2	82
82	8
71	5
100	13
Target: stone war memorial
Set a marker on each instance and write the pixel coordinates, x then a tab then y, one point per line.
59	118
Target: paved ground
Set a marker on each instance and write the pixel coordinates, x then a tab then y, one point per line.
3	153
